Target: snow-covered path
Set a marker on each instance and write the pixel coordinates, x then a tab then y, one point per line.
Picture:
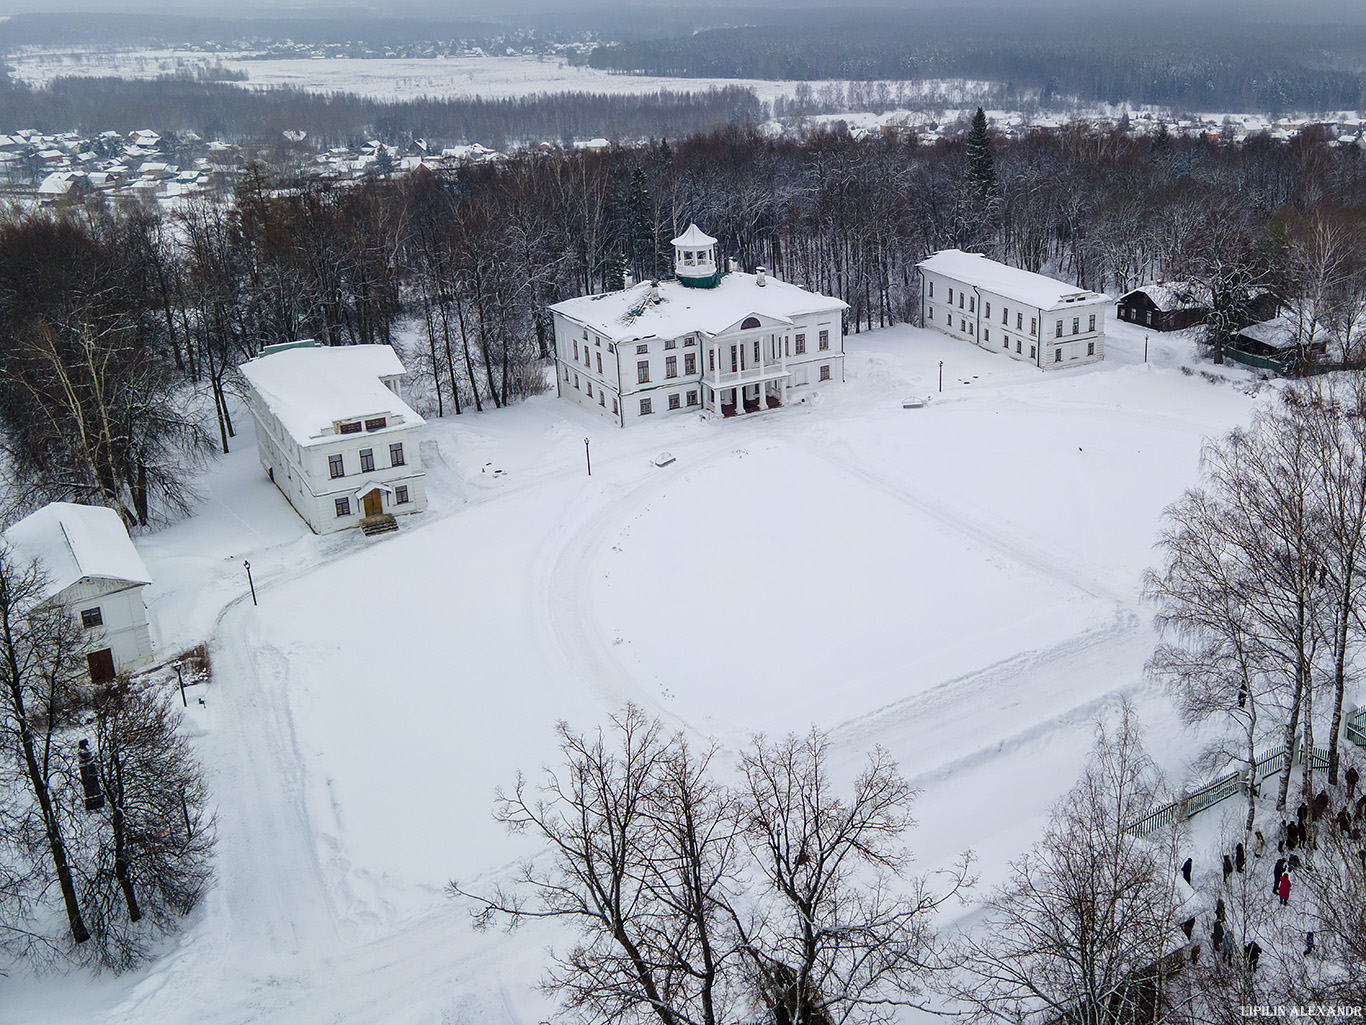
958	584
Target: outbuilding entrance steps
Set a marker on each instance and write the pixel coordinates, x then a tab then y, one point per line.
381	524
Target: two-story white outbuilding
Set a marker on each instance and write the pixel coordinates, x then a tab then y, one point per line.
723	342
93	571
334	435
1026	316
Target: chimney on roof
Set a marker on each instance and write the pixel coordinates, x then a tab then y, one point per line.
759	278
732	266
628	279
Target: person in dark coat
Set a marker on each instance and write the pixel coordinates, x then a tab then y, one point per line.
1353	777
1359	809
1216	935
1219	910
1280	837
1309	943
1228	867
1302	814
1260	845
1321	805
1293	863
1254	953
1283	889
1292	835
1276	875
1186	871
1344	820
1239	857
1195	954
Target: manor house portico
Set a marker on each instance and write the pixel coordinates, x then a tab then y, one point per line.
724	342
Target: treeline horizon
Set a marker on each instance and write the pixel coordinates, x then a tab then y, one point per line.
221	110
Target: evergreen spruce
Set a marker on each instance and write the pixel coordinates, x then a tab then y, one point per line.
981	169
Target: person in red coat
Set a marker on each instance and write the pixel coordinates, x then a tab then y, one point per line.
1283	888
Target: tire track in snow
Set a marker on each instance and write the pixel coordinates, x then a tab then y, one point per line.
1010	545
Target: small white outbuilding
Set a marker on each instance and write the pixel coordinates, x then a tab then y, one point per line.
93	571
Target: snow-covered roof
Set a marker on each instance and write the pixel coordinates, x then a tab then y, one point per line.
1171	295
1282	333
311	388
695	237
1011	282
77	542
679	310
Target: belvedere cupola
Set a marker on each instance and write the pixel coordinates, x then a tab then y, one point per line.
695	259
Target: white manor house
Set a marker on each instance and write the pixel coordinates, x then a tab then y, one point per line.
721	342
1026	316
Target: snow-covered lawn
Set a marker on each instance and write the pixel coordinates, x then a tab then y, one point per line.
957	583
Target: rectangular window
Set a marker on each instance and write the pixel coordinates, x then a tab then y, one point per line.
799	344
931	312
1033	326
91	618
367	460
986	334
671	343
377	424
576	380
343	506
590	389
1092	325
824	339
1057	329
734	360
599	362
351	428
962	325
641	350
396	454
602	398
401	495
756	352
972	304
692	397
1031	352
950	296
711	360
576	349
690	363
1090	348
1017	346
690	340
1076	325
643	372
334	467
931	289
587	358
825	372
671	366
645	409
1006	343
614	405
1057	355
1019	322
961	296
611	347
987	311
674	401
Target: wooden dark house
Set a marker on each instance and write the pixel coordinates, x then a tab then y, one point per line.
1163	306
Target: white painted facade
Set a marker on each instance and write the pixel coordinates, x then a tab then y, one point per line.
94	572
334	435
720	343
1026	316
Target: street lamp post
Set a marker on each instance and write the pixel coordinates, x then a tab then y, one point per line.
587	458
247	566
941	375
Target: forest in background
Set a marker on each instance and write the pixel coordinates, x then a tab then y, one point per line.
121	326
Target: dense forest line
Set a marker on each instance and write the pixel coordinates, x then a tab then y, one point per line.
1200	62
121	328
218	110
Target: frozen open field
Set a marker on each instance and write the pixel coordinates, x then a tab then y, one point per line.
957	583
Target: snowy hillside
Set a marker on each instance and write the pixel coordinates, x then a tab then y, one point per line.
957	583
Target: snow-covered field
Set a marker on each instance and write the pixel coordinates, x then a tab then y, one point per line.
408	78
957	583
